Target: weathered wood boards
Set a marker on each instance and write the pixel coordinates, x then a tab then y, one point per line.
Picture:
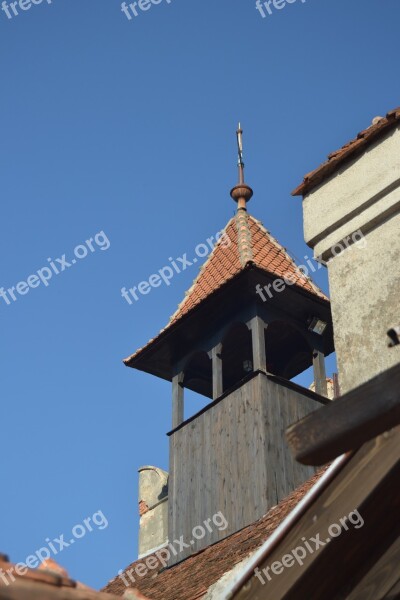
359	562
233	458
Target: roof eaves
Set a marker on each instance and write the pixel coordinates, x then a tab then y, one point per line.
178	322
348	152
172	325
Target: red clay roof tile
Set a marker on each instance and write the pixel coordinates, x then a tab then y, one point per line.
254	246
49	582
348	152
190	579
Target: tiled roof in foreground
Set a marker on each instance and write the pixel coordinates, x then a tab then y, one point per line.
190	579
49	582
348	152
245	242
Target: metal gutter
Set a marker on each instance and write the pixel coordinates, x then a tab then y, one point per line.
272	542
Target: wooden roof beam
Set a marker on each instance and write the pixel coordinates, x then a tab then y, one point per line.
347	423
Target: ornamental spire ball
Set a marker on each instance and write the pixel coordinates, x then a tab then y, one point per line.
241	193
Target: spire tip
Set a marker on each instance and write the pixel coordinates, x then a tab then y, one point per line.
241	193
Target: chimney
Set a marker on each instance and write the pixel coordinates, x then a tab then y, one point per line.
330	388
153	509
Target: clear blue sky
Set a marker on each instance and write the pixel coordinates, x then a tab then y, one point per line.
127	127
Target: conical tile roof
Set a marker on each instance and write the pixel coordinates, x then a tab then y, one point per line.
244	241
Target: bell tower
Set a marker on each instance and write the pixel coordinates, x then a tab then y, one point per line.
249	324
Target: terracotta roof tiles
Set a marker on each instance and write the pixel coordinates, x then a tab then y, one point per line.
348	152
49	582
259	248
190	579
245	241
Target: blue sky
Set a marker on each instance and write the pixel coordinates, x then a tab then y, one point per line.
127	127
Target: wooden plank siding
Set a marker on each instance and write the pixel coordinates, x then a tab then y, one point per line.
233	458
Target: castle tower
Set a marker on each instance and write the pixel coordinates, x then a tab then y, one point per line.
248	325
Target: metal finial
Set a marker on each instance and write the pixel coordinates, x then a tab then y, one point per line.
239	137
241	193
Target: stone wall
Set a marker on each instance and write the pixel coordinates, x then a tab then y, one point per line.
364	197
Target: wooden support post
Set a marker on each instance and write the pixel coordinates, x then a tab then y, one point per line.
319	373
258	327
336	386
177	400
218	386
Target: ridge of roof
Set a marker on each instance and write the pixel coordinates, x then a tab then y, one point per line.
244	238
191	578
248	248
347	152
250	243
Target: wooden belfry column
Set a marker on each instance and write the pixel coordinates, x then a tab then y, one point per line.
177	400
217	379
258	327
319	373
